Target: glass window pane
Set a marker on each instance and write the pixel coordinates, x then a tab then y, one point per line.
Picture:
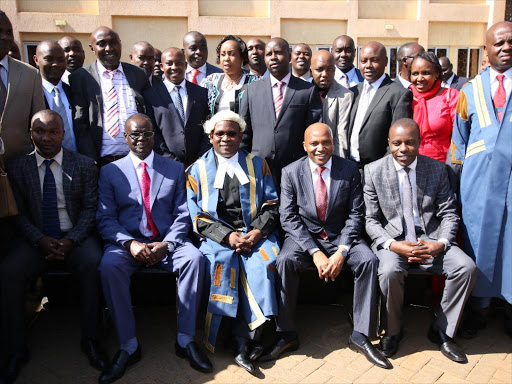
441	52
473	62
462	62
393	62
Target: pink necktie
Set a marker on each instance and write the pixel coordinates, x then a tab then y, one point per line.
278	99
500	97
321	199
146	185
112	112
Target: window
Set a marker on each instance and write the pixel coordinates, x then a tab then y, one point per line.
324	48
439	51
468	61
29	50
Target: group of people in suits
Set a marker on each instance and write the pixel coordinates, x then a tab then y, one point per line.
238	179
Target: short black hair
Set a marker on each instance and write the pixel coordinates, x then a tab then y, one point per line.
242	48
431	58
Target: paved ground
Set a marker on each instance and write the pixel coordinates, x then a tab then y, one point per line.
322	358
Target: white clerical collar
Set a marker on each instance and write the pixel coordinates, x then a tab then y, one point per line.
40	159
201	69
231	166
285	80
148	160
412	166
314	165
493	74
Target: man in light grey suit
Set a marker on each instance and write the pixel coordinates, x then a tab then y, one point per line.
411	216
336	100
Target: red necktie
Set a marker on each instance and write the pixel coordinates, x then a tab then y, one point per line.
278	99
146	185
321	199
500	97
195	72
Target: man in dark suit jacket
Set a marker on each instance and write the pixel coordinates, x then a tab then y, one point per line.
143	56
51	61
56	194
179	132
99	134
448	78
411	216
378	103
321	212
196	54
277	111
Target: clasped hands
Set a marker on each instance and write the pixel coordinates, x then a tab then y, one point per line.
54	249
417	252
328	267
148	253
243	244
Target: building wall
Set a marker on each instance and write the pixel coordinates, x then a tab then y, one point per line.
451	24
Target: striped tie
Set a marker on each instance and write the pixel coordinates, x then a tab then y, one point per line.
112	111
278	98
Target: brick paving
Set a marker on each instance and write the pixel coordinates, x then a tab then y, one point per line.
323	357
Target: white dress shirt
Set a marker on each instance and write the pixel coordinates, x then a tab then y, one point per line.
368	92
229	166
171	88
228	96
406	83
447	83
200	76
326	176
58	174
266	74
143	226
400	172
351	77
275	88
4	71
507	82
306	77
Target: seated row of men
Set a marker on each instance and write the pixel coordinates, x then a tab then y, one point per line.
144	205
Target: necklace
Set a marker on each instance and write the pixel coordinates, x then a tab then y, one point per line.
228	84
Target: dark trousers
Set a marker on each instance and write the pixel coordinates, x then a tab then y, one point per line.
360	261
24	262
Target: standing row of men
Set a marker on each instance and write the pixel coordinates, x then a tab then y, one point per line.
104	122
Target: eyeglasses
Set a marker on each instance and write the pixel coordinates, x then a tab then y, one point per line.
138	135
229	134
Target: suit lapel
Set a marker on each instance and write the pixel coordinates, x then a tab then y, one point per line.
336	172
68	169
307	185
159	169
93	70
392	181
288	95
126	165
12	83
166	97
269	100
353	111
190	100
421	185
376	99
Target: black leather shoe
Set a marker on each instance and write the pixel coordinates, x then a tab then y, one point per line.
195	356
447	346
389	344
242	355
256	351
14	366
95	354
283	345
372	354
122	360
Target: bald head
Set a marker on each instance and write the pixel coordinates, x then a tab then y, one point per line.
323	69
50	60
373	61
446	68
195	48
405	55
173	65
74	52
143	56
106	45
344	52
318	143
498	46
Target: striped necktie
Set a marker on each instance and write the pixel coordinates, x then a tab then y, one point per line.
179	104
146	187
111	106
51	222
278	98
407	207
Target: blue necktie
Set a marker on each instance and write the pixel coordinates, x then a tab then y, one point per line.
51	223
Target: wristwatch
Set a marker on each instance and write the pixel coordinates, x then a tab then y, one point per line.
170	247
343	251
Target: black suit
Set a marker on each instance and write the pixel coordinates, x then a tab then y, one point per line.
187	144
390	103
343	225
458	82
88	104
79	184
279	140
155	80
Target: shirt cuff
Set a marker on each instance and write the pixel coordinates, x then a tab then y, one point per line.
313	250
445	242
387	244
343	246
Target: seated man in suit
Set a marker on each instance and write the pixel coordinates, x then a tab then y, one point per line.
336	100
233	203
51	61
275	125
411	216
378	103
56	194
105	94
75	55
196	54
448	78
178	109
301	62
143	56
143	219
344	52
322	216
405	55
